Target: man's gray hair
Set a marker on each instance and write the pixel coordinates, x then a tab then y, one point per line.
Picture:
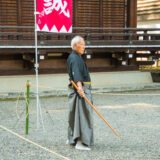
75	40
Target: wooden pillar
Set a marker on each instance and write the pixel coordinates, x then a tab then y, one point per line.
132	22
101	13
19	18
19	15
132	13
75	6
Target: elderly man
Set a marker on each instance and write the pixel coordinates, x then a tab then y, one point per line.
80	129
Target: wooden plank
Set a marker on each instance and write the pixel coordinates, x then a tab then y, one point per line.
27	12
8	12
88	13
11	65
113	13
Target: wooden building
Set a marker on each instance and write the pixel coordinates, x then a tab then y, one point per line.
148	14
108	26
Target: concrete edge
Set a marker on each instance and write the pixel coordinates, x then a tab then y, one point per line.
63	92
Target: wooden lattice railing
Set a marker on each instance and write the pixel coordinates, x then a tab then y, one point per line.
24	36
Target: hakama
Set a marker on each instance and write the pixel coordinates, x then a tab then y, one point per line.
80	118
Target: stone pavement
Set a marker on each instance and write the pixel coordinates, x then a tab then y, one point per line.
134	115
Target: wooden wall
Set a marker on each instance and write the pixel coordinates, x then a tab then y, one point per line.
8	16
27	12
16	12
8	12
99	13
86	13
148	12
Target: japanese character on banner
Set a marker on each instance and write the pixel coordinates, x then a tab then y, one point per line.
54	15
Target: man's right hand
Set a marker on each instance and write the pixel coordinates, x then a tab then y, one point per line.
80	89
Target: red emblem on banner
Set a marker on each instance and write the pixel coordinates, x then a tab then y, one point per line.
54	15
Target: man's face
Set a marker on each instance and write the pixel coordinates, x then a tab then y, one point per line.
80	47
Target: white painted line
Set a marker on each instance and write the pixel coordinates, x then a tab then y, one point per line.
36	144
119	94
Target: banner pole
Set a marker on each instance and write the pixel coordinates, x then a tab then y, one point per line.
39	112
36	61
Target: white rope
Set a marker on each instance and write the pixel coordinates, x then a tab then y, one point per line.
121	94
17	102
36	144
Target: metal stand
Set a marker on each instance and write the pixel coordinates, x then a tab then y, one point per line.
39	112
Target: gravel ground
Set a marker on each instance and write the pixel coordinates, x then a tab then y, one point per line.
135	116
